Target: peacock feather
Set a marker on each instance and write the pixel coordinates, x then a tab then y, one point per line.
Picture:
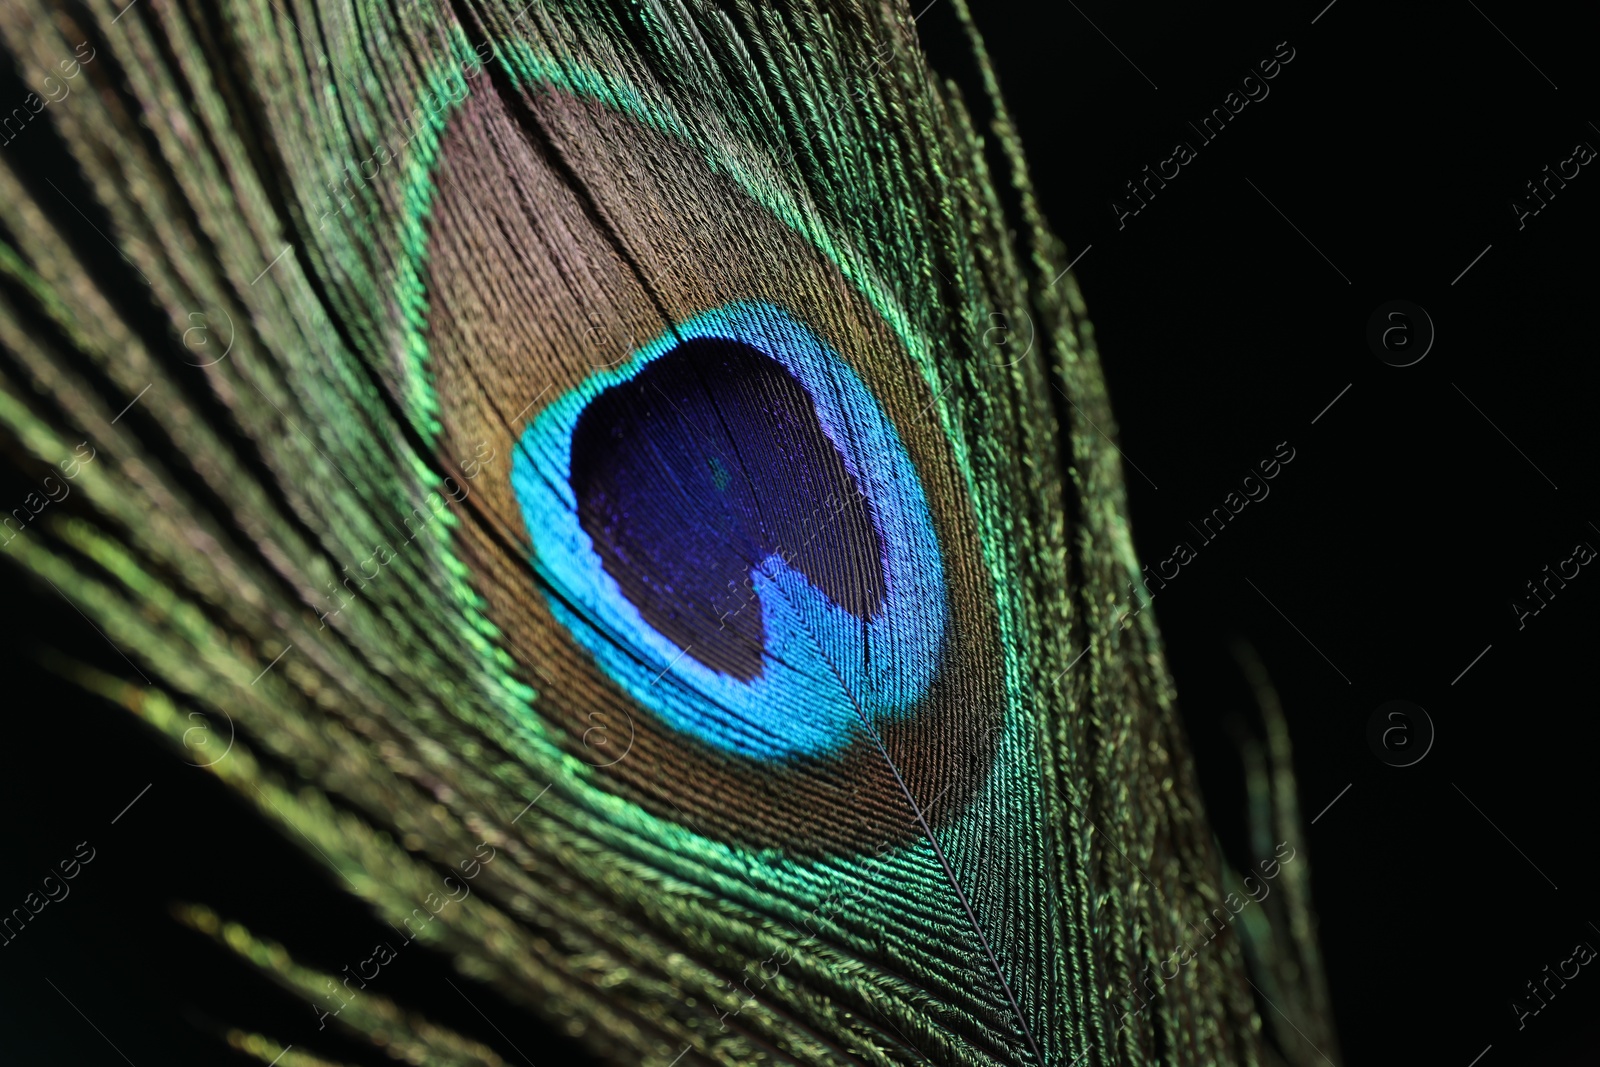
634	480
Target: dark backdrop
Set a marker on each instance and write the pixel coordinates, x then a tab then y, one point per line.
1230	312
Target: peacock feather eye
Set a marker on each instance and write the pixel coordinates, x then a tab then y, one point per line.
727	476
739	537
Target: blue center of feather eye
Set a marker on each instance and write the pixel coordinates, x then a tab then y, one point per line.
683	538
732	528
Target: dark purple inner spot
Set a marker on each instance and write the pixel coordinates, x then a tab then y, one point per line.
698	468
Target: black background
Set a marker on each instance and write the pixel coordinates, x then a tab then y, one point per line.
1391	547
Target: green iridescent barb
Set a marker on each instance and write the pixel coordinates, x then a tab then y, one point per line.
622	459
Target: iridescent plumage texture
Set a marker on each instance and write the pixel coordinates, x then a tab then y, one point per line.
577	429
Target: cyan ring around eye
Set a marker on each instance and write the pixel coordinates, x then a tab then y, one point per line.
733	529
